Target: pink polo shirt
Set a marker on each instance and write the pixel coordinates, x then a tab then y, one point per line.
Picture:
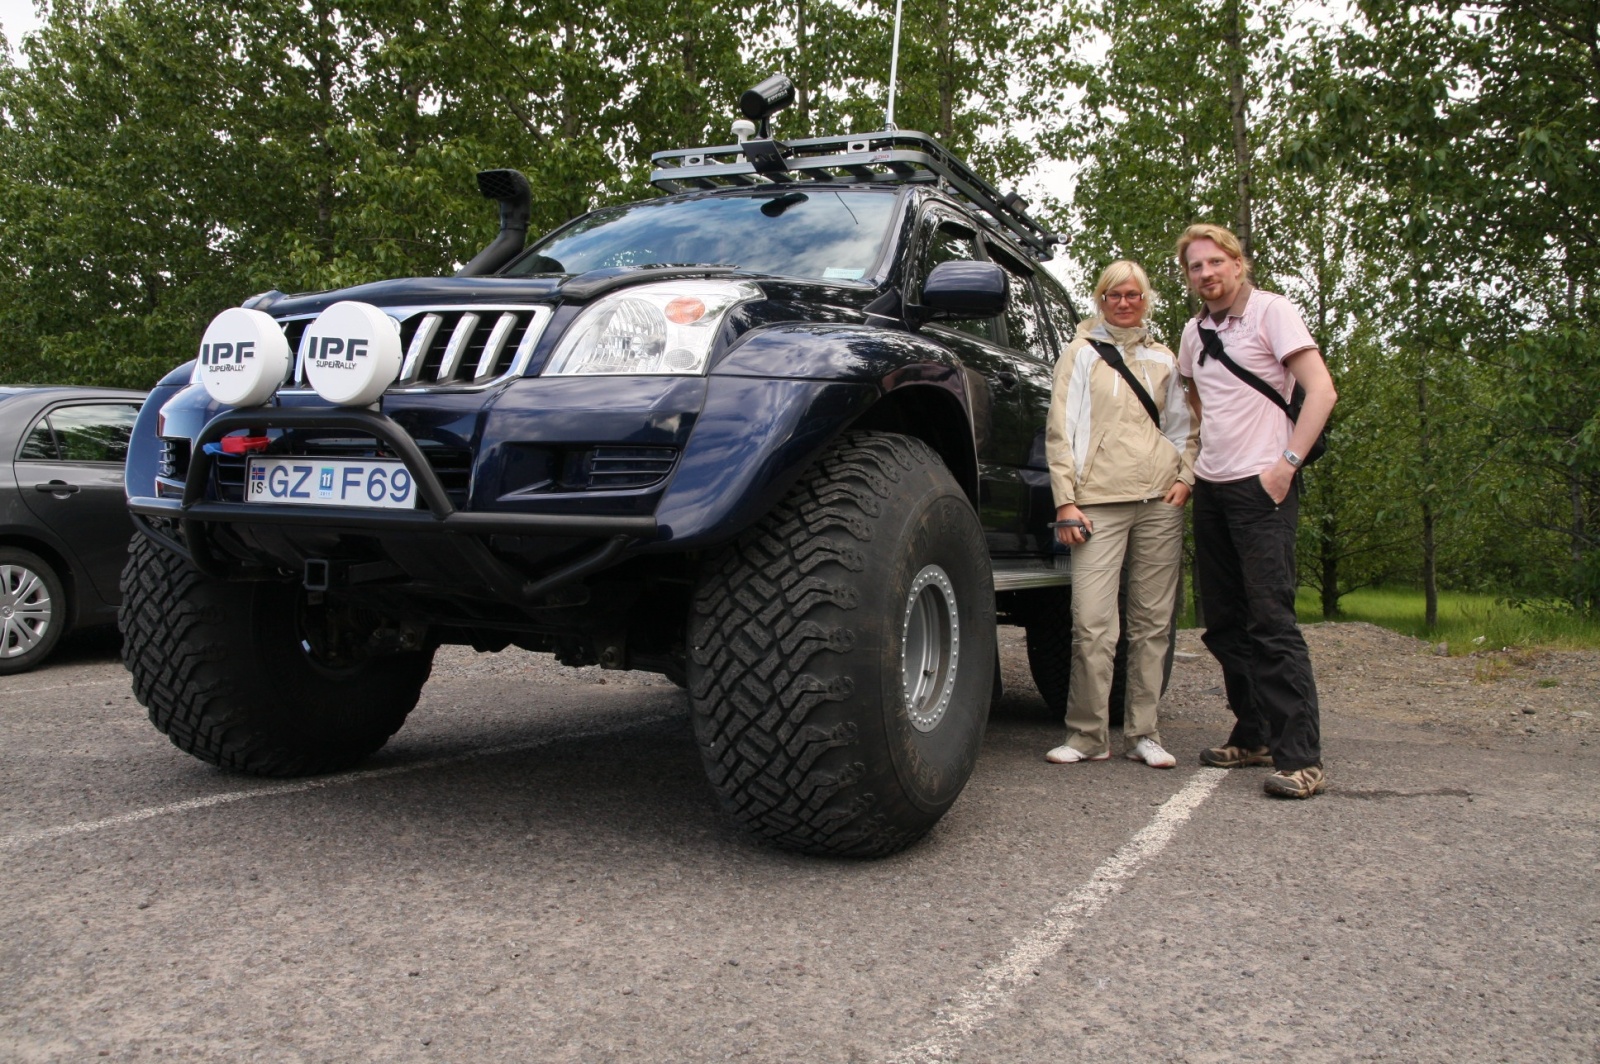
1241	432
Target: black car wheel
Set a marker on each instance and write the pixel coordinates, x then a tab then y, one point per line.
241	675
33	610
842	654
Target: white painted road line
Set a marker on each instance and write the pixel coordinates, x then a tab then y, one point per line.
1018	969
85	827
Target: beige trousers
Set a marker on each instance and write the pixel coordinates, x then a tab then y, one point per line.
1149	535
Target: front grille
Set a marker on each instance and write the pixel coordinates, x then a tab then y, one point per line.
448	347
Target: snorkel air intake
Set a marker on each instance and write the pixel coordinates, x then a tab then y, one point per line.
511	189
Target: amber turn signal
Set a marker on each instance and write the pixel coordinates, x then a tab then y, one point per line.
685	310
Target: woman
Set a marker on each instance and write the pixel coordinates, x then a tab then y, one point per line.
1121	467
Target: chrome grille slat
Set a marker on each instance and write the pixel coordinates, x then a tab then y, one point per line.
457	347
494	345
427	329
454	348
300	354
530	336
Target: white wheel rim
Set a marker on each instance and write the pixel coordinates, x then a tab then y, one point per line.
25	610
930	647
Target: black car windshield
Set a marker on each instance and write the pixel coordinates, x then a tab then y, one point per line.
829	234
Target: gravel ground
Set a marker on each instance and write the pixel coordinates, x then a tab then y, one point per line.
1530	698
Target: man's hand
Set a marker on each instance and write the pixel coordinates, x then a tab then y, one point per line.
1277	480
1176	495
1071	537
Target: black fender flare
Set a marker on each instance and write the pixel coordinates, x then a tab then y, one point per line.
783	394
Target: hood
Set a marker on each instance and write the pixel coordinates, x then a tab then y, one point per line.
419	291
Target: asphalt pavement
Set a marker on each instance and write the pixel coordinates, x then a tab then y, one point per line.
535	870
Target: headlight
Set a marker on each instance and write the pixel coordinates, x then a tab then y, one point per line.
654	328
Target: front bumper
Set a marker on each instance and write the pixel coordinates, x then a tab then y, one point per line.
441	523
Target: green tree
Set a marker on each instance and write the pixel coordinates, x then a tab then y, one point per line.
1477	126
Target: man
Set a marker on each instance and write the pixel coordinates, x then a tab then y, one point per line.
1246	506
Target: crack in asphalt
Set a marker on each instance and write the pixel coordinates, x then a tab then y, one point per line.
1385	796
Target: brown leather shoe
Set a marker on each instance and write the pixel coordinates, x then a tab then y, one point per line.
1235	757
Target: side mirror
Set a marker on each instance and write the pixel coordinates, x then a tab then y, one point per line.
965	289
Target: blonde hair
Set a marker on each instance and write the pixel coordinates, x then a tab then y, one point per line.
1219	236
1121	272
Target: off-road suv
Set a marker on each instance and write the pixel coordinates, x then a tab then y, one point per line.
778	435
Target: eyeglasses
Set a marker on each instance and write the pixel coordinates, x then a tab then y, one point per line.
1122	297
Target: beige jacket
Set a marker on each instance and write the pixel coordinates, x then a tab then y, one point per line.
1101	444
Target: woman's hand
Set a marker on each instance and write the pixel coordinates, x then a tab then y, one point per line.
1176	495
1071	537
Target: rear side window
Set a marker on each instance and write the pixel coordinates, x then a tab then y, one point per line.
1025	328
1063	315
40	446
96	432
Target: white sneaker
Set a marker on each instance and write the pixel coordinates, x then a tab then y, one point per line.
1149	751
1066	755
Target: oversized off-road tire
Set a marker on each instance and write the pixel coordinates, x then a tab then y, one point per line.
227	672
842	654
33	610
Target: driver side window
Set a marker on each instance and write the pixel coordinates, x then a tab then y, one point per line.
951	243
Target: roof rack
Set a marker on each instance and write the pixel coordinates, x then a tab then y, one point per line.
887	155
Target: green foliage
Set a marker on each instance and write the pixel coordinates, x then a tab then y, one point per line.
1150	131
161	160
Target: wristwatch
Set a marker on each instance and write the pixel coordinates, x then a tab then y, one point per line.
1292	458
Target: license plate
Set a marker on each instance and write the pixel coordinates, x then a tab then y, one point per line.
371	483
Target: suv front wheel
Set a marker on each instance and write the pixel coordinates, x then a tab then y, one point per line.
842	653
242	675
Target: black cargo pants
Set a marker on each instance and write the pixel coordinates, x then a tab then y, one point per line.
1244	561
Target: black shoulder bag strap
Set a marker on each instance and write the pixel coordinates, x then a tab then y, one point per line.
1211	344
1115	360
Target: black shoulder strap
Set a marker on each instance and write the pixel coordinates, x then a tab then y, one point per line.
1115	360
1211	344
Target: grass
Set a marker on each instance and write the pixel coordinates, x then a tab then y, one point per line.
1467	621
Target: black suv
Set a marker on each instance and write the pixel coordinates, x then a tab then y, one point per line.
778	435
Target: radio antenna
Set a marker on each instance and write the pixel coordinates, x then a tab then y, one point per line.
894	66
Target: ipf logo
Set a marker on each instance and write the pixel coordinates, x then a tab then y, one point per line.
218	353
328	348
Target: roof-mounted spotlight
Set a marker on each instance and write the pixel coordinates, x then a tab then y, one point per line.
765	100
767	155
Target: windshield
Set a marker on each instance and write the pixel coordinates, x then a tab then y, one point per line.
828	234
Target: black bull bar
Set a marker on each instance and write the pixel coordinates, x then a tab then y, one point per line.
194	511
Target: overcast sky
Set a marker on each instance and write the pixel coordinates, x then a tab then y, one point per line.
17	17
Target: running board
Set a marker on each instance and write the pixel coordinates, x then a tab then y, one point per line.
1021	575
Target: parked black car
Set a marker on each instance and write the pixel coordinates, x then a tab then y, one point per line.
64	523
778	435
